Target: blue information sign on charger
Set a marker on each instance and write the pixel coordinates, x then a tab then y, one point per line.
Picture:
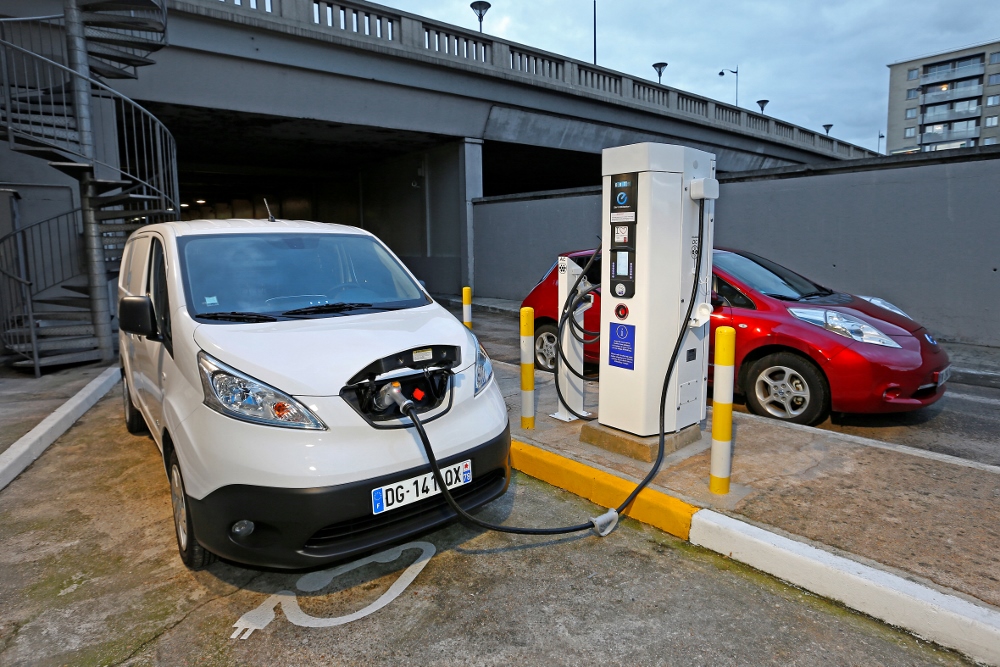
622	346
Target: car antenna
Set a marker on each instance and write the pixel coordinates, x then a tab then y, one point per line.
270	218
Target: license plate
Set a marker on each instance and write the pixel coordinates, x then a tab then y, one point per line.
411	490
943	376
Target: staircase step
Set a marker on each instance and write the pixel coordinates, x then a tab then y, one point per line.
68	301
45	132
122	57
74	169
104	185
62	330
131	41
121	198
117	5
62	359
122	215
126	228
122	22
108	71
79	289
37	117
62	315
61	343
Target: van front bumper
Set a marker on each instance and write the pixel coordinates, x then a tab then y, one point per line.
303	528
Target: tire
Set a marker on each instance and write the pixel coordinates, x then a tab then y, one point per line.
787	387
135	423
546	339
194	556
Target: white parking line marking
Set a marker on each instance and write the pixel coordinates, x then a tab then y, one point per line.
974	399
259	618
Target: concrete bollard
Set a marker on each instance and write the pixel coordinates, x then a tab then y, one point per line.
722	410
527	368
467	306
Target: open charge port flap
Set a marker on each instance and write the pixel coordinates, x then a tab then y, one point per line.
428	386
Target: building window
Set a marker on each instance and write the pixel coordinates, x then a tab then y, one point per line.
910	132
963	125
989	141
993	100
912	93
991	121
994	80
969	83
995	58
915	73
936	109
911	113
967	105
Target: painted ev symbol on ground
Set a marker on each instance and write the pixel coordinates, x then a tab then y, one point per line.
261	617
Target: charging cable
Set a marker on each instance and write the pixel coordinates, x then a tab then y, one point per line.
601	525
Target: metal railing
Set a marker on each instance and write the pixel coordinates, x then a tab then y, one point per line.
27	269
36	109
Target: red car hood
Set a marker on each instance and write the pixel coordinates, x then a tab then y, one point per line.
852	305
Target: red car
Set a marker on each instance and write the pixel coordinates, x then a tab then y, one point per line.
802	350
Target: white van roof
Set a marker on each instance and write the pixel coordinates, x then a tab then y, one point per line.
237	225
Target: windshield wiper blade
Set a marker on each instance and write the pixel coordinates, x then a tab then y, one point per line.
237	316
782	297
823	292
327	308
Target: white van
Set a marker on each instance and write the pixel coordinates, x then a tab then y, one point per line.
254	352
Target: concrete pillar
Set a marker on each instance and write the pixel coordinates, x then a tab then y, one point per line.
297	10
471	182
412	33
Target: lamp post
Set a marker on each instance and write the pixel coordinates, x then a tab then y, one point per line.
659	67
595	32
827	128
878	146
480	7
762	104
737	73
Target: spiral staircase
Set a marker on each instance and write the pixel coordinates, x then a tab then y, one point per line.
124	158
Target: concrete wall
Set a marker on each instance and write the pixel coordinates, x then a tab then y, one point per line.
518	237
924	237
927	238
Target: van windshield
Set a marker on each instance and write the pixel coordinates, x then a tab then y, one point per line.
234	276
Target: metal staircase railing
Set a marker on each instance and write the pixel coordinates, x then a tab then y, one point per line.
50	110
27	270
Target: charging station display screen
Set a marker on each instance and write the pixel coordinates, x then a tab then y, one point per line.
621	263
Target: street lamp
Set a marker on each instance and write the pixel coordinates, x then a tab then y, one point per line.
659	67
827	128
480	7
762	104
737	73
878	146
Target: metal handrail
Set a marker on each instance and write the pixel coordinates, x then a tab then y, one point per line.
142	127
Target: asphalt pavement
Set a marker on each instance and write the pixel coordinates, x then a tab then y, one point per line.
89	574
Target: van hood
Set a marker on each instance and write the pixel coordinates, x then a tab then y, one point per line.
316	357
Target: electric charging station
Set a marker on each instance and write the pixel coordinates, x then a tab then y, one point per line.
654	197
571	384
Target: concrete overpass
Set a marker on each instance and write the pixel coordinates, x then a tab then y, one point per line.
353	112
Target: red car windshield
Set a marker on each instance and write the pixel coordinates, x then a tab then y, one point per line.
766	277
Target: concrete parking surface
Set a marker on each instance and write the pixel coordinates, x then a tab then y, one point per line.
89	575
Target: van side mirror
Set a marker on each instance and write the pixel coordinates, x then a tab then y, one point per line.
135	316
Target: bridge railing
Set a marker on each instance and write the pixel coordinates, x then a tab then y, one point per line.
409	33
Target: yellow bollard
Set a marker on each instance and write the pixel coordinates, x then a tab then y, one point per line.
467	306
722	410
527	368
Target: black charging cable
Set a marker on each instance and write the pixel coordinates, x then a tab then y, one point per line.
605	523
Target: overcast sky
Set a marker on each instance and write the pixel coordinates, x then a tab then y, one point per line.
817	62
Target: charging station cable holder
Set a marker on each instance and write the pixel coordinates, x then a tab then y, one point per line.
571	386
604	524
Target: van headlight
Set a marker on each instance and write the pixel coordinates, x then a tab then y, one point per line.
484	368
234	394
843	325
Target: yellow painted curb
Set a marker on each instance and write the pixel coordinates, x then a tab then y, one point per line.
650	506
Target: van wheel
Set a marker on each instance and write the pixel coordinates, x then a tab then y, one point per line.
787	387
546	341
135	423
193	554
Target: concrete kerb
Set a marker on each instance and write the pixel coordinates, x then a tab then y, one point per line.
948	620
30	446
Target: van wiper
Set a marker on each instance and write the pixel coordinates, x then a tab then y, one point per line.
237	316
330	308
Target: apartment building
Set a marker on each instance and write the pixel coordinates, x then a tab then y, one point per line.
945	100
